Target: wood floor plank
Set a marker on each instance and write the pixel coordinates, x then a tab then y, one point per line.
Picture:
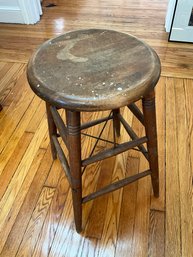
185	169
14	161
51	223
159	203
4	68
36	118
127	215
111	220
157	234
8	216
17	133
15	237
36	223
88	247
54	175
140	236
9	78
189	113
15	89
10	122
173	223
64	231
21	94
19	176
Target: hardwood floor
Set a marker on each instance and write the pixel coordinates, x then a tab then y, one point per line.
35	201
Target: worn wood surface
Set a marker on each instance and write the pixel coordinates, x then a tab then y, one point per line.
36	207
92	70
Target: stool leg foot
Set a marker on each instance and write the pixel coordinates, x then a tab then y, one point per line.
52	130
74	140
116	122
151	133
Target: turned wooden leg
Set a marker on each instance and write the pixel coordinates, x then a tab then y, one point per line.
74	141
116	122
151	133
52	130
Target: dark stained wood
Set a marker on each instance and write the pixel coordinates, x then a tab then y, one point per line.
59	124
151	132
116	185
94	69
52	130
135	110
116	122
114	151
95	122
74	140
133	135
62	158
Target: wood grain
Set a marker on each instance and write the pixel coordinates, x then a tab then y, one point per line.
159	203
128	208
14	161
13	242
157	234
140	234
35	224
173	221
18	178
17	134
143	226
184	169
8	217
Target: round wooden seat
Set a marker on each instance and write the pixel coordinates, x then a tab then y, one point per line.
90	70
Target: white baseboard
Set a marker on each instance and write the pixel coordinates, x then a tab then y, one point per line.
11	15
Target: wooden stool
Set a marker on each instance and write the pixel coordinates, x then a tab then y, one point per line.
96	70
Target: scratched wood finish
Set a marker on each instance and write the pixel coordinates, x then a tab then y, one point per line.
93	69
139	226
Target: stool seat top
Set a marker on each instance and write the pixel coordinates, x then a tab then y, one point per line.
92	70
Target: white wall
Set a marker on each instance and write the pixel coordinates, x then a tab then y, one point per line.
10	3
169	15
20	11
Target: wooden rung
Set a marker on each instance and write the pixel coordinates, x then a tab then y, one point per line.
115	186
114	151
133	135
59	124
95	122
62	158
135	110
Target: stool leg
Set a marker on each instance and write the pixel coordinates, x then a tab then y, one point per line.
74	141
52	130
116	121
151	133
